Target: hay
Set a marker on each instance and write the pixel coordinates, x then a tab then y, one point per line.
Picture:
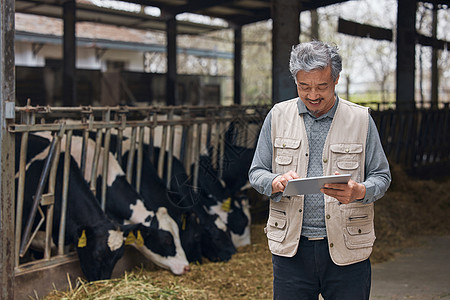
411	208
135	285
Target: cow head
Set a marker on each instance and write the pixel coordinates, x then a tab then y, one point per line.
161	243
99	248
216	240
190	235
217	199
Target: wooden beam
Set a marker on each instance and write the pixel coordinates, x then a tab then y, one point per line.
432	42
308	5
193	6
363	30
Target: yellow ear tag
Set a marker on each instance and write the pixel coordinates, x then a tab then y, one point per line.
82	240
139	239
130	238
226	205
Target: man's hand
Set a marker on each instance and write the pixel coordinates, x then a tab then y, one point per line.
345	192
280	182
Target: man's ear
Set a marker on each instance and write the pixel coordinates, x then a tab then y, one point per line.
337	80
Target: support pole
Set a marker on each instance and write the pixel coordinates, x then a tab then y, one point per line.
238	65
434	62
406	43
69	54
171	79
7	94
285	34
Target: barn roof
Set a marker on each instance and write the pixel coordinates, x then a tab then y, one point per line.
233	12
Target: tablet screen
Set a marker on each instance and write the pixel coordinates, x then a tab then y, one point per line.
312	185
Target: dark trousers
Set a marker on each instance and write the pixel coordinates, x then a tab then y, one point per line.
311	271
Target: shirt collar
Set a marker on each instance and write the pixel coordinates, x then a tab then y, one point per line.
302	109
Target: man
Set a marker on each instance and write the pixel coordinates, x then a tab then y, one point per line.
320	243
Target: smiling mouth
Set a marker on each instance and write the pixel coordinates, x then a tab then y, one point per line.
314	101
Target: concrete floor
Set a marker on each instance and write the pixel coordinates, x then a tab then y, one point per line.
421	272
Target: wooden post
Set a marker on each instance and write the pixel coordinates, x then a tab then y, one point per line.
285	34
434	62
69	54
406	43
171	79
237	65
7	92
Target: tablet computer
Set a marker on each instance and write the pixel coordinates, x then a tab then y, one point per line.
312	185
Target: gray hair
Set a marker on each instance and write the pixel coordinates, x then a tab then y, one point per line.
315	55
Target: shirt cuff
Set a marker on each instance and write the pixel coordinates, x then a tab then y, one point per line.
370	192
276	197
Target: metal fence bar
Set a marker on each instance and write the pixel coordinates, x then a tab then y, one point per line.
20	194
140	155
131	154
106	143
96	157
50	203
62	225
170	150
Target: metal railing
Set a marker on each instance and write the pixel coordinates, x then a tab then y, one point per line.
184	132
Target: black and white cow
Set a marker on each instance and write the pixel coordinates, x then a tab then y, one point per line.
124	204
155	194
216	240
99	242
232	209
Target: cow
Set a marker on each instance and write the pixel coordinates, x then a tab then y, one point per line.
125	205
232	209
155	194
99	242
216	240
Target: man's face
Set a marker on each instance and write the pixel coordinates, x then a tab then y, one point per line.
316	90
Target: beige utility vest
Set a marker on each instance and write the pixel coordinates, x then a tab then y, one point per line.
350	229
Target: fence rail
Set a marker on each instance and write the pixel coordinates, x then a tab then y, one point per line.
419	140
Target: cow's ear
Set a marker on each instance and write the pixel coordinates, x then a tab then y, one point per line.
81	238
84	235
130	232
129	228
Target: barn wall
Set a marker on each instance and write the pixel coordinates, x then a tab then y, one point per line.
109	88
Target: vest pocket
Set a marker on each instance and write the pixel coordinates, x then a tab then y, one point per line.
276	225
346	158
359	230
286	154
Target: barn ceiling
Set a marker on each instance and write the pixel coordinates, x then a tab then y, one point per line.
235	12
